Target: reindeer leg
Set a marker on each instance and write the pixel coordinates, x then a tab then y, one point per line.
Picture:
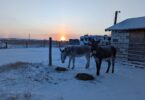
113	63
88	62
109	64
69	62
73	63
100	62
98	65
97	69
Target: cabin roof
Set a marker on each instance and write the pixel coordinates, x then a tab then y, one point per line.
129	24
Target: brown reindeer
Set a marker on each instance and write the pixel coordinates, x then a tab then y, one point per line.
100	53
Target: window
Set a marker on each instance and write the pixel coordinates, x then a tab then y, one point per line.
115	40
82	39
127	37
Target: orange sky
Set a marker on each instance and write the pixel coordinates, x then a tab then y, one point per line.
55	36
56	32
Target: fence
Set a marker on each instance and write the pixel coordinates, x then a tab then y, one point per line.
12	43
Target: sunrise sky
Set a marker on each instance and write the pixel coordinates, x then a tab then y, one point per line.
63	18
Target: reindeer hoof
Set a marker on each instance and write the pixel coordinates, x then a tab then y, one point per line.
107	71
112	71
97	74
72	68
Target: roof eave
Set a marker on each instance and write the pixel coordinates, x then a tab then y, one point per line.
124	29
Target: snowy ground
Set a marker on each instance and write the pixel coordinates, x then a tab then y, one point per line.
38	81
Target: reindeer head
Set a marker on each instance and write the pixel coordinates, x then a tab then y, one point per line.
94	46
63	54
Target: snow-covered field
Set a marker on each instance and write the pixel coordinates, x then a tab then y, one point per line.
35	80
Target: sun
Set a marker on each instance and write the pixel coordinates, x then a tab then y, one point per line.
63	38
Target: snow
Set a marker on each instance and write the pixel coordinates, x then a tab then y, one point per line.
23	54
129	24
44	83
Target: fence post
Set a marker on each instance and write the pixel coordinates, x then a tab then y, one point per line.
6	45
26	44
50	51
43	43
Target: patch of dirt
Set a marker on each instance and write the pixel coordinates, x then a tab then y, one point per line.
60	69
84	76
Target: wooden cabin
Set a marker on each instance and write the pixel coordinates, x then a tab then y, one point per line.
129	37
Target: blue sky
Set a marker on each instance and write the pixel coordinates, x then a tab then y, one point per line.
71	18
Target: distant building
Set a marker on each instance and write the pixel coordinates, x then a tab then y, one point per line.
104	40
74	41
2	45
129	37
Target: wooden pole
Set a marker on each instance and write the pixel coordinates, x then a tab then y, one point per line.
50	51
116	15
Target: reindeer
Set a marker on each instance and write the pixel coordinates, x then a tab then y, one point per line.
100	53
74	51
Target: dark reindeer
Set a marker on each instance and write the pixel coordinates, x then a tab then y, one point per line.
100	53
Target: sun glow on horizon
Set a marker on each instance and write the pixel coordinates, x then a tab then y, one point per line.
62	38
